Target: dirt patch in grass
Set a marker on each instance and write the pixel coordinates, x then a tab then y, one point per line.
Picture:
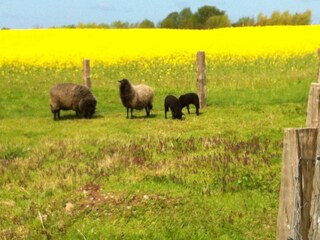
94	199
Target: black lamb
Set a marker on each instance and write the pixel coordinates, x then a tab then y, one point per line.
173	103
70	96
135	96
189	98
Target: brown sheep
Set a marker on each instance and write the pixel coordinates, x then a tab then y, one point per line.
135	96
70	96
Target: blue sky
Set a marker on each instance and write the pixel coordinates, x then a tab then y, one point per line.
46	13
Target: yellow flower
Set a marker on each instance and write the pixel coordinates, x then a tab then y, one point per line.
68	47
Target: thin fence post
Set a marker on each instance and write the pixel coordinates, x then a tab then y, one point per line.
298	163
313	109
201	78
319	65
86	73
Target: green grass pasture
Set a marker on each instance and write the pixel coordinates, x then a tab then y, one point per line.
213	176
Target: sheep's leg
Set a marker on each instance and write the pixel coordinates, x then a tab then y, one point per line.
56	115
197	109
147	111
172	112
188	109
165	112
127	112
131	112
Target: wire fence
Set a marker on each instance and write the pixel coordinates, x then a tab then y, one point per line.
314	232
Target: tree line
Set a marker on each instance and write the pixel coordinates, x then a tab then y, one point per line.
208	17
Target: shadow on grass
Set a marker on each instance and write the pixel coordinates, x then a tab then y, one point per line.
143	117
193	113
75	117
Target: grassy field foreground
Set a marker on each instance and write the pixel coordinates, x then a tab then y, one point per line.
213	176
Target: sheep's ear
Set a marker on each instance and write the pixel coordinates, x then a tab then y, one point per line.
122	80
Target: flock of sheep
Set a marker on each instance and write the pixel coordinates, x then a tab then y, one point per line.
70	96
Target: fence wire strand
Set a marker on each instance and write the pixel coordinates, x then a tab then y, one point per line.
314	234
295	228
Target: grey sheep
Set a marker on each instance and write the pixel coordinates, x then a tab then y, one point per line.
136	96
173	103
189	98
70	96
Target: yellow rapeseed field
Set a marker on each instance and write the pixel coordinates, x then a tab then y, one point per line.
68	47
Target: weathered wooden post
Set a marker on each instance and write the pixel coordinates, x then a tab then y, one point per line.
86	73
298	161
313	110
201	78
314	231
319	65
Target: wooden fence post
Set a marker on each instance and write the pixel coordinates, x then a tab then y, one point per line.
298	161
319	65
201	78
314	231
313	110
86	73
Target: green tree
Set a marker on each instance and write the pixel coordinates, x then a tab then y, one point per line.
218	22
171	21
146	24
244	21
204	13
302	19
262	20
286	18
81	25
119	24
186	19
275	18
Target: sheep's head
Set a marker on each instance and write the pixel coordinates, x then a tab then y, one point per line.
179	115
124	83
88	106
125	88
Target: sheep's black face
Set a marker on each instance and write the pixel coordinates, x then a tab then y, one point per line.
178	115
124	83
89	112
89	108
125	91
